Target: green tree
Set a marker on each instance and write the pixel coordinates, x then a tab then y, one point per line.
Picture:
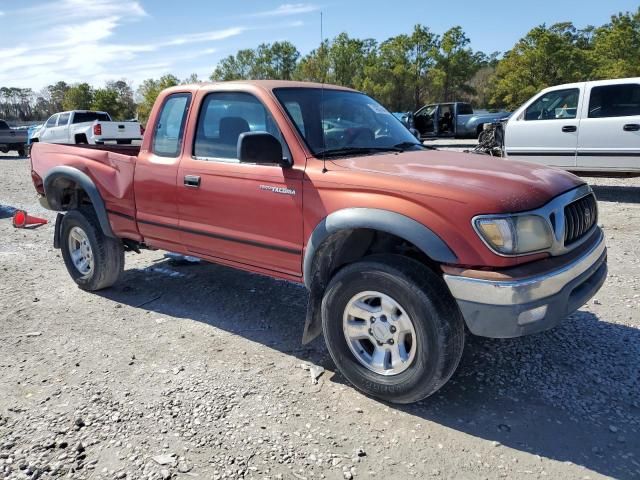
616	47
456	64
546	56
275	61
78	97
124	106
106	100
193	78
56	93
314	67
398	76
235	67
149	91
341	61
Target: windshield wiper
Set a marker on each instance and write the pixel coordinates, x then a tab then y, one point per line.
404	146
337	152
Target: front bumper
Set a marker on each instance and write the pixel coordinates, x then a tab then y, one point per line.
529	304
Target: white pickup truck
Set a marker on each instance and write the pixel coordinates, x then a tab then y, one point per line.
581	127
87	127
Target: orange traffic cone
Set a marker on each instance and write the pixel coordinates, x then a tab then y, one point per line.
21	219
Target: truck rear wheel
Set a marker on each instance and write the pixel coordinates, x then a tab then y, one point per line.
392	328
93	260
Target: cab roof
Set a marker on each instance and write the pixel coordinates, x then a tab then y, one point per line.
263	84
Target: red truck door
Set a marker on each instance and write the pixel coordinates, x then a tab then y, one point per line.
156	171
243	213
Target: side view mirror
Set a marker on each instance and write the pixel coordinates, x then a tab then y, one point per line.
260	147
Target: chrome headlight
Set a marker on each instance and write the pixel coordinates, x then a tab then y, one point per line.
514	235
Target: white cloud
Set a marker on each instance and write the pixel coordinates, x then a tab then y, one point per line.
288	9
76	41
206	36
80	41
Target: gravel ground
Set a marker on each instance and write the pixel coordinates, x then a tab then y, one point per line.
196	370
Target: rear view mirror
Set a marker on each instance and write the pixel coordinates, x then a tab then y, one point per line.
260	147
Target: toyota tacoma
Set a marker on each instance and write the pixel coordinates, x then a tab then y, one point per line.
401	247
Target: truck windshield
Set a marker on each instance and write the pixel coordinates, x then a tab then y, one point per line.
83	117
339	122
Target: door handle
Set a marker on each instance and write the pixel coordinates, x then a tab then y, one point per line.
192	181
569	128
631	127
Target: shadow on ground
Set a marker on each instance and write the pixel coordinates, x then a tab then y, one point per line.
559	394
611	193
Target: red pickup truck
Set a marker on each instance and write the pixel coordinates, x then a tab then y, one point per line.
399	245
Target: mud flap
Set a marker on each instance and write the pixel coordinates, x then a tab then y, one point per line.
57	230
313	322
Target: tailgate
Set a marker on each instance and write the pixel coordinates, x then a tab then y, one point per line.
120	131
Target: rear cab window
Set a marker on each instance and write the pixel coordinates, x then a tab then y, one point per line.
169	129
85	117
621	100
63	119
465	109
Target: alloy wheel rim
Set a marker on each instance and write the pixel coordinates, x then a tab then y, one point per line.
80	251
379	333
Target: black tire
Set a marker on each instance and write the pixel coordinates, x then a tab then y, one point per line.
22	152
108	253
424	296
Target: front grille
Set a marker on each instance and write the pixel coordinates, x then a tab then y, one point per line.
579	217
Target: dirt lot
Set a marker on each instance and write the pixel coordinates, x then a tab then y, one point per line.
195	371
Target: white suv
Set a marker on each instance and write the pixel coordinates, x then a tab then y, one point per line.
582	127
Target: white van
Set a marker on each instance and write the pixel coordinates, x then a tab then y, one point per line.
588	127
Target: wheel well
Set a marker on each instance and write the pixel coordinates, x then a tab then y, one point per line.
68	195
81	138
348	246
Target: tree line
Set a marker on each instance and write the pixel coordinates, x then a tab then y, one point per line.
23	104
402	72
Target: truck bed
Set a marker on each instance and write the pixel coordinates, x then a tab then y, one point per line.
110	167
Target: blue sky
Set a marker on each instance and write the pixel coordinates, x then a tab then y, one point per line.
100	40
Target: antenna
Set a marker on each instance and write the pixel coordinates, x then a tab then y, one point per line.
324	75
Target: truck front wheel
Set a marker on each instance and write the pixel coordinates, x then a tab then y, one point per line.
392	328
93	260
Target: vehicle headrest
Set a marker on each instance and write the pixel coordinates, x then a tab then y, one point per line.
231	128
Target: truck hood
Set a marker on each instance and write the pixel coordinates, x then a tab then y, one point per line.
494	184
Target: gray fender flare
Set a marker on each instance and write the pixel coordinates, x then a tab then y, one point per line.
85	182
376	219
352	218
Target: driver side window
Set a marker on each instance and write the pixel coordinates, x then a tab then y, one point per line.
559	104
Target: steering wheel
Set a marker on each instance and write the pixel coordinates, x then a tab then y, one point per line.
354	134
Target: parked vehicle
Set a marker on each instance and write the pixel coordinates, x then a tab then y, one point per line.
455	119
582	127
399	245
12	139
86	127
